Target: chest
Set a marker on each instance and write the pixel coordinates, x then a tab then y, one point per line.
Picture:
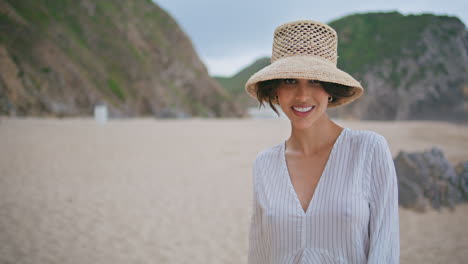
305	174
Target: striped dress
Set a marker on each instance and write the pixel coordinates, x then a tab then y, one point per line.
353	214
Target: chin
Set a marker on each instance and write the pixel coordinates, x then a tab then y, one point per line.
303	123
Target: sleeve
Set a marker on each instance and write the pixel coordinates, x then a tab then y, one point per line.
256	254
384	230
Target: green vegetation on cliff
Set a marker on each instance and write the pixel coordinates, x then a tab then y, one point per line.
234	84
369	39
365	39
129	54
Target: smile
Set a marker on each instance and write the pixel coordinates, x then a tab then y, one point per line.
302	111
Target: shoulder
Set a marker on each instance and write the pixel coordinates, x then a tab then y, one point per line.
367	135
374	146
269	155
365	138
366	144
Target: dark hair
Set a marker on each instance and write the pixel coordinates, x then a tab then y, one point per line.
266	91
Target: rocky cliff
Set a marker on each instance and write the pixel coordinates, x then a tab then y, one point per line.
411	67
61	57
235	84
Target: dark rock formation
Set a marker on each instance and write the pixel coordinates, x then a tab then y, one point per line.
462	171
427	178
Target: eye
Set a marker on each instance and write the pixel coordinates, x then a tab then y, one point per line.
314	81
289	81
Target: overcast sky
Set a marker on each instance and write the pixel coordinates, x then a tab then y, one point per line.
229	35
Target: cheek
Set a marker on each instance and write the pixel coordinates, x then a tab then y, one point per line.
323	96
283	94
280	96
322	93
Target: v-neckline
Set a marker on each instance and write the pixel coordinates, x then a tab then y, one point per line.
324	173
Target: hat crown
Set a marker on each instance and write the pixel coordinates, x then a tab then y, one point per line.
305	37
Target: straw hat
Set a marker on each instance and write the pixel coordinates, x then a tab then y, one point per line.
305	49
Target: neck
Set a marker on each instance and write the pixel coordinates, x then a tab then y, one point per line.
310	141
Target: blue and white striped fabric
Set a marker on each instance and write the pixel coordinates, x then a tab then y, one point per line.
353	214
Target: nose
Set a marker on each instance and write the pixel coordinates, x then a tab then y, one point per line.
303	91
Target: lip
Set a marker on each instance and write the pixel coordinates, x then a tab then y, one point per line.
302	105
302	114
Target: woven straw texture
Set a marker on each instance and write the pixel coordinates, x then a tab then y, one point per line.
305	49
305	38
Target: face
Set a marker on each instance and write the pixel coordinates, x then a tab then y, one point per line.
303	101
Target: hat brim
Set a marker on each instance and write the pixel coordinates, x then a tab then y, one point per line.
305	67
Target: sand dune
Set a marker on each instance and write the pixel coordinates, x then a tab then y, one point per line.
172	191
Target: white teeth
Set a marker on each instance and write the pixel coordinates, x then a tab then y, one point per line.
302	109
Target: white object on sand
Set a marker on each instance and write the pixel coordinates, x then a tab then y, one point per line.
100	113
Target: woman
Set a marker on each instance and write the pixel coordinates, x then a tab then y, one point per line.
327	194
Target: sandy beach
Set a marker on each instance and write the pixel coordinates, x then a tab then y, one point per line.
173	191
